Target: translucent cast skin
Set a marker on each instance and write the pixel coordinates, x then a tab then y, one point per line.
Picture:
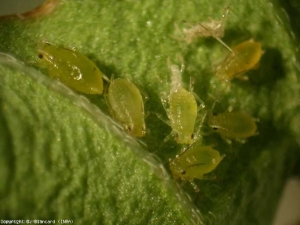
127	106
233	125
71	68
244	57
195	162
212	28
182	113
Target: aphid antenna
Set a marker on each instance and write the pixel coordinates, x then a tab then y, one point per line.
224	16
211	213
223	43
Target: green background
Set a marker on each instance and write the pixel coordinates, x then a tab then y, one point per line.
62	158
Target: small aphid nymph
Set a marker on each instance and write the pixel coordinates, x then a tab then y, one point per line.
71	68
195	162
233	125
244	57
126	104
181	108
212	28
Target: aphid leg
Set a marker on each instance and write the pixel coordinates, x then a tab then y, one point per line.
106	78
242	141
243	77
228	141
191	87
195	187
162	119
147	114
222	157
185	148
168	137
164	103
198	134
201	103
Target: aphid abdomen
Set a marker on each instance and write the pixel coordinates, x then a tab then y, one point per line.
71	68
182	114
195	162
233	125
127	104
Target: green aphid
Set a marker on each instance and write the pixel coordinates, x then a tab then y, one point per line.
233	125
182	110
126	104
71	68
195	162
244	57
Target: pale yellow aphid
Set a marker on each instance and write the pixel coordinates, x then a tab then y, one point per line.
244	57
233	125
71	68
195	162
181	108
212	28
127	107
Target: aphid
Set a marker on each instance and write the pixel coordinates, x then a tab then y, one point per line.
44	9
195	162
127	107
71	68
233	125
181	110
212	28
243	57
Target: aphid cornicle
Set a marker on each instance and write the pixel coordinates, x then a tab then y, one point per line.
71	68
195	162
212	28
182	109
245	56
126	104
233	125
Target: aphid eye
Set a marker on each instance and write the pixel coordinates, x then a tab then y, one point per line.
40	56
192	136
183	172
214	114
129	128
215	128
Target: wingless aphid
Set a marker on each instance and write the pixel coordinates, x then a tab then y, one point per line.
213	28
181	110
71	68
126	104
245	56
195	162
233	125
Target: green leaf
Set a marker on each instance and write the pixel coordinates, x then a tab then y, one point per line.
64	159
59	163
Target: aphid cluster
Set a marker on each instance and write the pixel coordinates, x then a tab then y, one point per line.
127	107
